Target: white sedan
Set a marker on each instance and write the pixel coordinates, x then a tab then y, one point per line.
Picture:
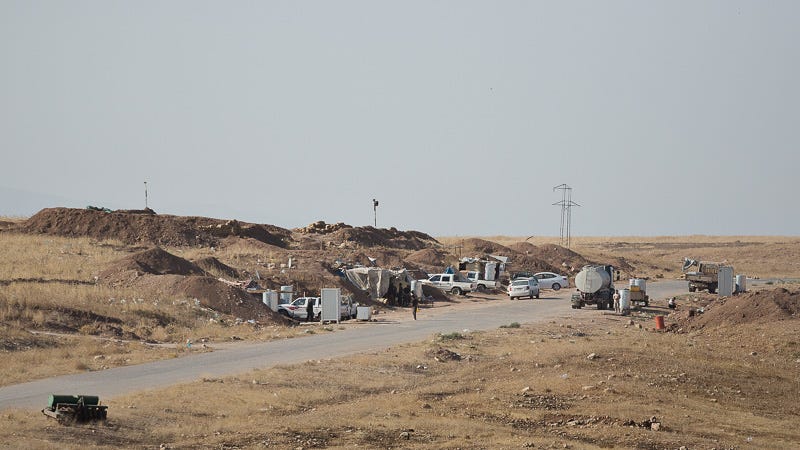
523	287
550	280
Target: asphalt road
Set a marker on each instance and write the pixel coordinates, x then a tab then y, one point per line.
355	338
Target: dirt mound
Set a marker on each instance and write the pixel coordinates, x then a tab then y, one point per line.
480	248
139	227
216	267
154	261
523	247
208	292
558	256
531	264
384	237
427	257
320	227
753	307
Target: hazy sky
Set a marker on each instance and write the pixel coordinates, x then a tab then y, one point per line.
460	117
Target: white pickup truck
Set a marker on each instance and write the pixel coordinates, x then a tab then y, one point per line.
454	283
481	281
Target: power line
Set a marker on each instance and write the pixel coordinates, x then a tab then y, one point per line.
566	203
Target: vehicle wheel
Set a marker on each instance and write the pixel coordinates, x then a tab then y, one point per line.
284	313
691	289
712	290
601	305
556	286
481	288
456	291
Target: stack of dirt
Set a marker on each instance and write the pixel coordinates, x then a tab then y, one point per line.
480	248
217	268
320	227
558	256
523	247
154	261
429	259
383	237
221	297
159	274
760	307
138	227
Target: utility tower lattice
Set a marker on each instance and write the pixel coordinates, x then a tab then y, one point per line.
566	203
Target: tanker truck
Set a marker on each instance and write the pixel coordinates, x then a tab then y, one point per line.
595	287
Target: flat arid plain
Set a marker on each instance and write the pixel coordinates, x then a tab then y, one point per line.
83	292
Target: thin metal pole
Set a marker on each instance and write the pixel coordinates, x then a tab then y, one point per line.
145	195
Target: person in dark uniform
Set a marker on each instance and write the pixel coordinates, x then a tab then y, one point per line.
414	305
309	310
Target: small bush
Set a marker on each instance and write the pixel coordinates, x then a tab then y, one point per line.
451	336
511	325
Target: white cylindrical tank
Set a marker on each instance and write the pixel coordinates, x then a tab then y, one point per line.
624	299
741	283
637	284
592	278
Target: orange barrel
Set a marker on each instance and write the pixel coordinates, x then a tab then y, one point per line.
659	322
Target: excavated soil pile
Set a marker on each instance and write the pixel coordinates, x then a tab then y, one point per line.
381	237
216	267
523	247
154	261
208	292
320	227
138	227
221	297
755	307
159	274
480	247
558	256
428	257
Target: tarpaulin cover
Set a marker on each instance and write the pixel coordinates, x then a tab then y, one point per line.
375	280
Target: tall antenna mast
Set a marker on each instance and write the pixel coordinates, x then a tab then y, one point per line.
145	195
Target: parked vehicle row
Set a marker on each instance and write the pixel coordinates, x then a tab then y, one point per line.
547	280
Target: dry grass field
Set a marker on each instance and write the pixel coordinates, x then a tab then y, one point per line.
55	319
653	257
589	382
723	385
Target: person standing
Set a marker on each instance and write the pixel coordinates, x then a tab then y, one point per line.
309	309
616	302
414	304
